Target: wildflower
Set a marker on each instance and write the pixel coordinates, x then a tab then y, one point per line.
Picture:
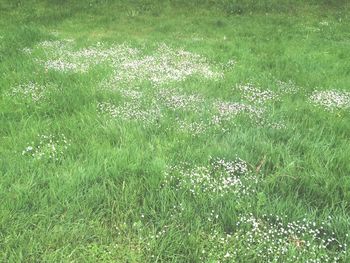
331	100
31	90
48	147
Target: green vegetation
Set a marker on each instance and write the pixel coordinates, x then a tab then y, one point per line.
167	131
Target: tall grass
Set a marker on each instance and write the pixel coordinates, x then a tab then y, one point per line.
121	191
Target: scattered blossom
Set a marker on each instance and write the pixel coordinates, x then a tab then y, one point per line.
31	90
175	100
225	111
129	64
256	95
288	87
47	147
27	51
331	99
131	112
64	66
271	238
220	177
230	64
193	128
132	94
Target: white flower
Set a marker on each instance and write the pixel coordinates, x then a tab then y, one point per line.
331	99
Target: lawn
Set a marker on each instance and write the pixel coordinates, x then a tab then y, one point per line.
167	131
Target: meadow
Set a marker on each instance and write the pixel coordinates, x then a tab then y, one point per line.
174	131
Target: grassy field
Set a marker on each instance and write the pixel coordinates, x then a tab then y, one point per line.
160	131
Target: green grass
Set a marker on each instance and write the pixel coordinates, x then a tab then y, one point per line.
105	198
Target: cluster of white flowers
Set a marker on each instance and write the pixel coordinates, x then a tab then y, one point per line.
238	166
218	178
148	105
288	87
27	51
65	66
130	111
331	99
228	110
57	59
194	128
271	238
47	147
163	66
256	95
31	90
130	67
132	94
175	100
61	56
54	45
279	125
230	64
